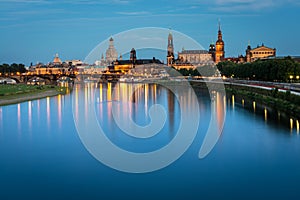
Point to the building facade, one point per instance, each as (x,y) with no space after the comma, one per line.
(195,57)
(260,52)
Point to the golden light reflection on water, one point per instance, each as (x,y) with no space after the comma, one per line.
(291,124)
(254,106)
(266,114)
(59,110)
(146,92)
(100,93)
(233,101)
(297,126)
(243,102)
(109,99)
(220,110)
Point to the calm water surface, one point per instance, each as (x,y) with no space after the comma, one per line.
(42,156)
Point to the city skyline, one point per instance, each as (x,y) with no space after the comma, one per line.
(35,30)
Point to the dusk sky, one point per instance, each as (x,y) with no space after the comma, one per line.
(34,30)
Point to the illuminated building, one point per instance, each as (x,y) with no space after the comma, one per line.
(260,52)
(219,53)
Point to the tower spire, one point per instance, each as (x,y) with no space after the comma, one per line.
(170,50)
(220,53)
(219,23)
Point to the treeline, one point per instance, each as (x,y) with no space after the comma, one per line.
(199,71)
(264,70)
(13,68)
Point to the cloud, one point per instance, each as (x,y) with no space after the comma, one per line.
(26,1)
(96,2)
(243,5)
(134,13)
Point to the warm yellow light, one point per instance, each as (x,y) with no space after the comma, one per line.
(18,73)
(254,106)
(297,77)
(291,76)
(266,114)
(243,102)
(297,126)
(291,123)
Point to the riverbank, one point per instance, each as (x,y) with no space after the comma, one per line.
(283,101)
(12,94)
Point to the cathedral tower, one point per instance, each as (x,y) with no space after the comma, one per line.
(133,56)
(212,51)
(111,52)
(248,53)
(170,55)
(220,53)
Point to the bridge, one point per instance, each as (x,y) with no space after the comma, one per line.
(52,78)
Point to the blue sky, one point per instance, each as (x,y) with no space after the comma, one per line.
(34,30)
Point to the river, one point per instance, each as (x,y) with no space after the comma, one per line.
(44,154)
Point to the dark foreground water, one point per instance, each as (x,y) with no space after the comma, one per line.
(42,156)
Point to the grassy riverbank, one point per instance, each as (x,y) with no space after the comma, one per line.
(11,94)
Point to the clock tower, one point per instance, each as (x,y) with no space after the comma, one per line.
(219,53)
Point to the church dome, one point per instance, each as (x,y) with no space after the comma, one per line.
(56,59)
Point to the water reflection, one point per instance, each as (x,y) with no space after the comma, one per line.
(59,111)
(291,124)
(133,102)
(269,114)
(29,115)
(38,110)
(48,113)
(19,119)
(266,114)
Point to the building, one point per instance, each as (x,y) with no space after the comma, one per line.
(111,55)
(56,60)
(188,59)
(170,50)
(124,66)
(56,67)
(219,49)
(212,51)
(74,62)
(260,52)
(111,52)
(195,57)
